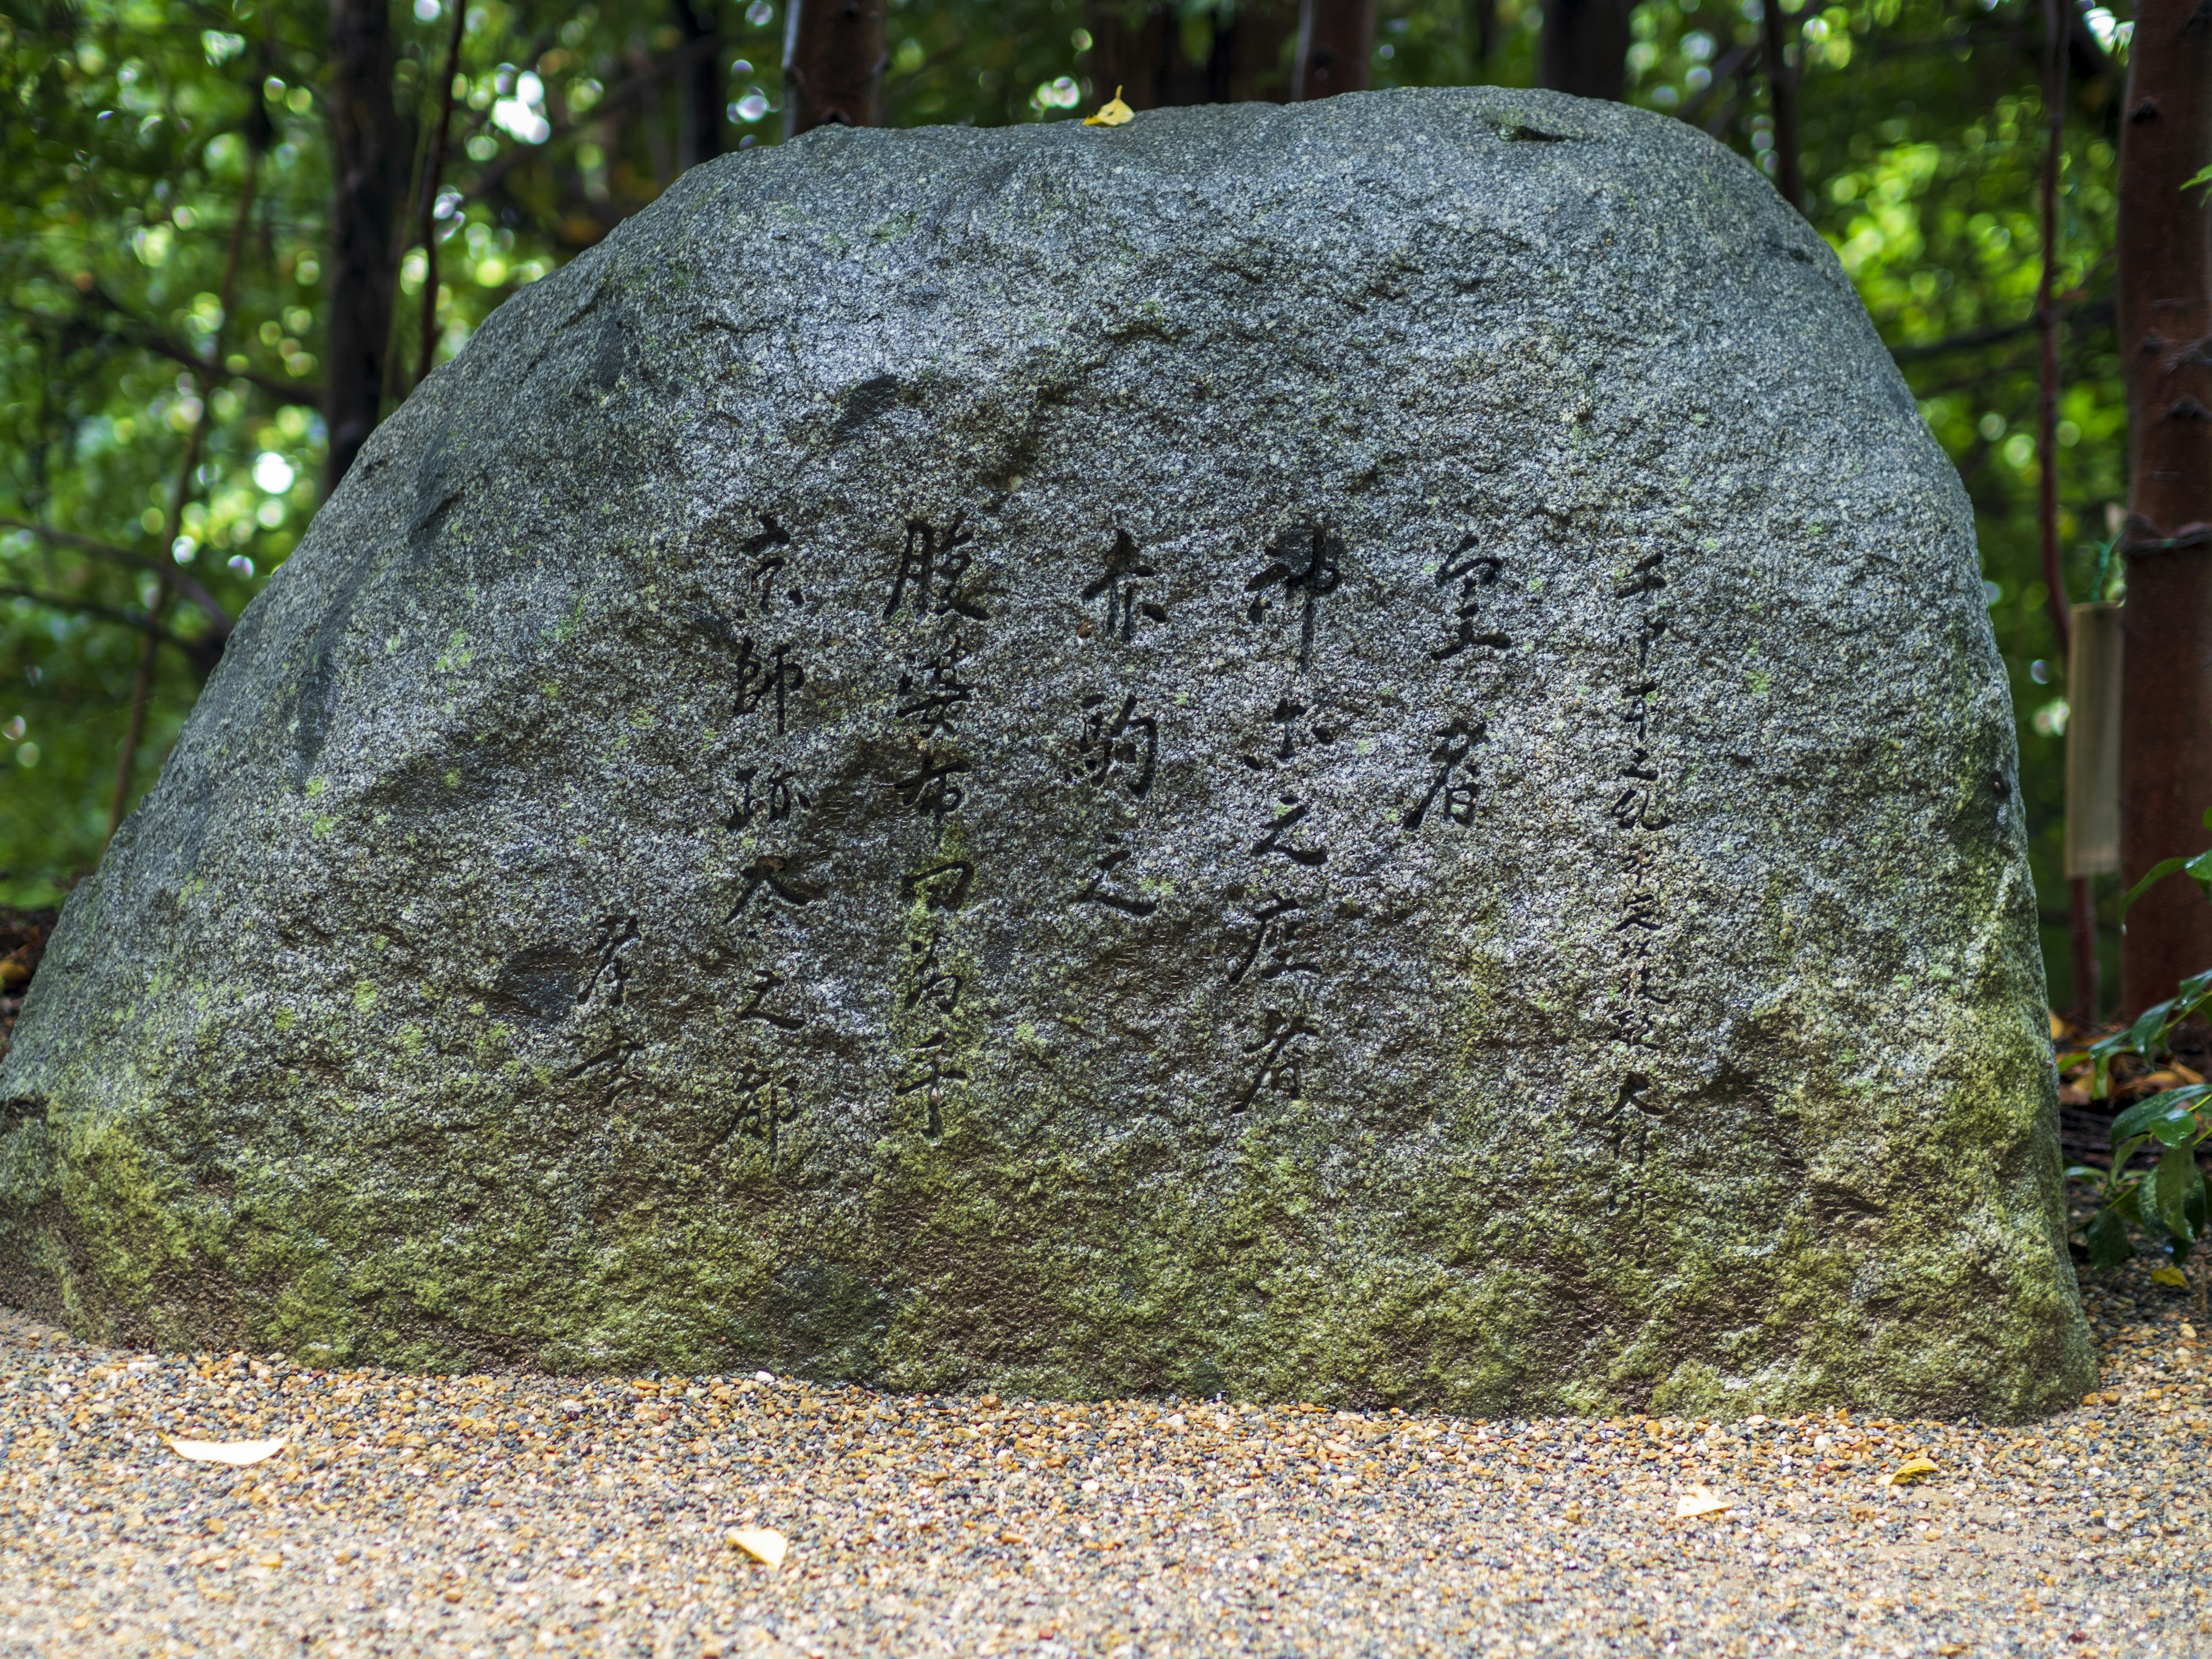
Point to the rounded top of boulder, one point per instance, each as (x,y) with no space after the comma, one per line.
(1291,750)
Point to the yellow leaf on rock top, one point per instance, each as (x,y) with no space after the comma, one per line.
(2172,1276)
(1111,114)
(762,1543)
(1912,1469)
(1700,1501)
(237,1453)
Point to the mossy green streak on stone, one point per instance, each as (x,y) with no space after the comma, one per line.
(1347,751)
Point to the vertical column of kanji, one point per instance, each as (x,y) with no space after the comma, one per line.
(1275,972)
(765,794)
(1638,813)
(1117,744)
(937,589)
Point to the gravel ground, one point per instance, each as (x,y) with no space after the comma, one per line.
(505,1515)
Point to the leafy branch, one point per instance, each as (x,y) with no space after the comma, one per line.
(167,571)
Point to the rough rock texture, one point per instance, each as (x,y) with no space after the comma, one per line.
(1350,749)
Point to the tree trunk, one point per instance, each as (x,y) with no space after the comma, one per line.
(368,166)
(433,174)
(1147,55)
(1478,26)
(833,63)
(699,137)
(2166,345)
(1336,45)
(1775,30)
(1584,49)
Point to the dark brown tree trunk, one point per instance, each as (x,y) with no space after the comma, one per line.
(1146,54)
(833,63)
(2165,346)
(368,164)
(1782,100)
(1336,45)
(700,136)
(1584,48)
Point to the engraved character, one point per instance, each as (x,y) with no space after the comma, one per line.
(1293,814)
(1308,563)
(1280,1066)
(933,699)
(1124,744)
(1096,892)
(929,1077)
(1275,931)
(765,1105)
(765,679)
(1124,571)
(930,572)
(1472,573)
(1450,756)
(765,984)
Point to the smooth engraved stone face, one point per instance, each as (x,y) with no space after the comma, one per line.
(1349,750)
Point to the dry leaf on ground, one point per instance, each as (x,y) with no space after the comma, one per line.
(237,1453)
(1111,114)
(1912,1469)
(762,1543)
(1701,1500)
(2172,1276)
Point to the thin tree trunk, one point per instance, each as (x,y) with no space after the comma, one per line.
(699,135)
(368,162)
(2081,893)
(1584,48)
(1782,102)
(1336,47)
(433,174)
(2166,345)
(180,492)
(1478,23)
(833,64)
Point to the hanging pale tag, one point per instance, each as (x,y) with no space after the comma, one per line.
(2093,742)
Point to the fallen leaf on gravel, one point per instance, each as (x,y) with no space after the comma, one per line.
(2172,1276)
(1701,1500)
(237,1453)
(1912,1469)
(762,1543)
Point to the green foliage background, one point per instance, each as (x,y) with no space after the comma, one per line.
(128,129)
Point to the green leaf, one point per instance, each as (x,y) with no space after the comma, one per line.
(2170,1116)
(2158,874)
(2109,1244)
(2177,1179)
(2145,1030)
(2084,1172)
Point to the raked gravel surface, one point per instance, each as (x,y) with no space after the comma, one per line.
(514,1513)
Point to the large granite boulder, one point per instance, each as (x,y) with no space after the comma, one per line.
(1349,750)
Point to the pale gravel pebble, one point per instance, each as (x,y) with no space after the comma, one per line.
(910,1534)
